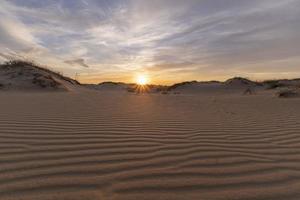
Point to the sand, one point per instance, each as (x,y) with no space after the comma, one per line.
(97,145)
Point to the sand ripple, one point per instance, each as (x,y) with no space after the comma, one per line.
(98,146)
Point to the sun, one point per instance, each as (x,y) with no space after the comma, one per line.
(142,79)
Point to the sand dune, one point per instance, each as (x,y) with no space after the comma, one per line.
(125,146)
(20,75)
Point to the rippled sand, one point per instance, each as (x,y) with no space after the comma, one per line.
(92,146)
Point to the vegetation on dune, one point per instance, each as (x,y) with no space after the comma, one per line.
(273,84)
(112,83)
(177,85)
(288,93)
(242,81)
(45,81)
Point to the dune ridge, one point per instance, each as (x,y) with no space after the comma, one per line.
(26,76)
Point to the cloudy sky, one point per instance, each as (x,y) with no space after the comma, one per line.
(170,40)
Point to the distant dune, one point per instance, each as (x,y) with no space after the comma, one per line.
(26,76)
(241,82)
(110,86)
(233,85)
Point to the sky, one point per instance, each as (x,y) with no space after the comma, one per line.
(168,40)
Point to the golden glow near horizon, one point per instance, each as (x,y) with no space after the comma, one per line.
(158,39)
(142,79)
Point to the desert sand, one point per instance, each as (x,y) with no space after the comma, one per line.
(89,145)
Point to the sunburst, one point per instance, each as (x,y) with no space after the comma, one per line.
(142,79)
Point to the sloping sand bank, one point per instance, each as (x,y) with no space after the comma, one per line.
(94,146)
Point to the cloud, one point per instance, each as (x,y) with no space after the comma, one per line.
(207,38)
(6,56)
(79,61)
(13,33)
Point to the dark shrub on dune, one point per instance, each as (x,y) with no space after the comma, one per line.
(288,94)
(130,90)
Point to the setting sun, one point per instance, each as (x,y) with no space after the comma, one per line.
(142,79)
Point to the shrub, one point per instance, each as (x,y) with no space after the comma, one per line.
(131,90)
(287,94)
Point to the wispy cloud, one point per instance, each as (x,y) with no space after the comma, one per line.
(79,61)
(172,38)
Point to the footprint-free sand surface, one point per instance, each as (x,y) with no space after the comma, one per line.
(98,146)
